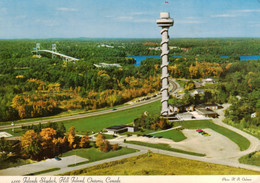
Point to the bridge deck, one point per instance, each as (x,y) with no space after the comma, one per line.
(59,54)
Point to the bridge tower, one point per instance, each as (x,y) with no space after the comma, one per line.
(53,48)
(37,52)
(165,22)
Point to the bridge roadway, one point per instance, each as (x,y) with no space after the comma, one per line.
(173,86)
(68,58)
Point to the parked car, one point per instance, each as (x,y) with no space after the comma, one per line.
(57,158)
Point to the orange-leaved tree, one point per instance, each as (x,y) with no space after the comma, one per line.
(84,141)
(30,144)
(71,138)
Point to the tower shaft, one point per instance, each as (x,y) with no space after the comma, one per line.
(165,22)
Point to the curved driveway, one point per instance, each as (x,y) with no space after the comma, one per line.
(254,142)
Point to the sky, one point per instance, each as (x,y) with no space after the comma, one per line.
(127,18)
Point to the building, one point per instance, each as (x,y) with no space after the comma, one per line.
(206,112)
(185,116)
(209,106)
(120,129)
(181,107)
(190,108)
(208,80)
(253,115)
(198,92)
(107,65)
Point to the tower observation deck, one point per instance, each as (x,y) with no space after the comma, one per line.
(165,22)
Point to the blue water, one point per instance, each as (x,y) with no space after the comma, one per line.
(249,57)
(140,58)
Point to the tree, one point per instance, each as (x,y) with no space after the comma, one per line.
(71,138)
(100,139)
(190,85)
(243,123)
(30,144)
(115,147)
(61,130)
(106,146)
(84,141)
(47,141)
(5,148)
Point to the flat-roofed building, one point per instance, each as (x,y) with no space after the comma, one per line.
(120,129)
(185,116)
(206,112)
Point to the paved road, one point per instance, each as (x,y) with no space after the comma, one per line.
(144,149)
(174,86)
(254,142)
(68,169)
(42,165)
(204,159)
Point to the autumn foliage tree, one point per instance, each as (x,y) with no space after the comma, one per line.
(30,145)
(71,138)
(100,139)
(47,142)
(84,141)
(102,143)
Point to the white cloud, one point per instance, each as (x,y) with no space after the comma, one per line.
(125,18)
(140,20)
(188,22)
(249,11)
(225,15)
(236,13)
(46,22)
(134,20)
(66,9)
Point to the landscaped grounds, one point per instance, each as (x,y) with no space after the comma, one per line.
(163,146)
(97,123)
(251,159)
(174,135)
(241,141)
(94,154)
(147,164)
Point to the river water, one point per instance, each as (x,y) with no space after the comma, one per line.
(140,58)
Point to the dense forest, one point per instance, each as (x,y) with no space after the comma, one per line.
(35,87)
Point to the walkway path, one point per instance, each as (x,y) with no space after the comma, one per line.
(165,130)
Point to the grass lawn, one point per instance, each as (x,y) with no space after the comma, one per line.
(62,114)
(94,154)
(107,136)
(164,147)
(148,165)
(97,123)
(241,141)
(174,135)
(14,161)
(251,159)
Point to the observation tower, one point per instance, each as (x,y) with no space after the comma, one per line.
(165,22)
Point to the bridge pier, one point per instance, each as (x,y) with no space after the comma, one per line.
(53,48)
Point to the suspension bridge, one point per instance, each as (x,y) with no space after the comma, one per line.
(54,53)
